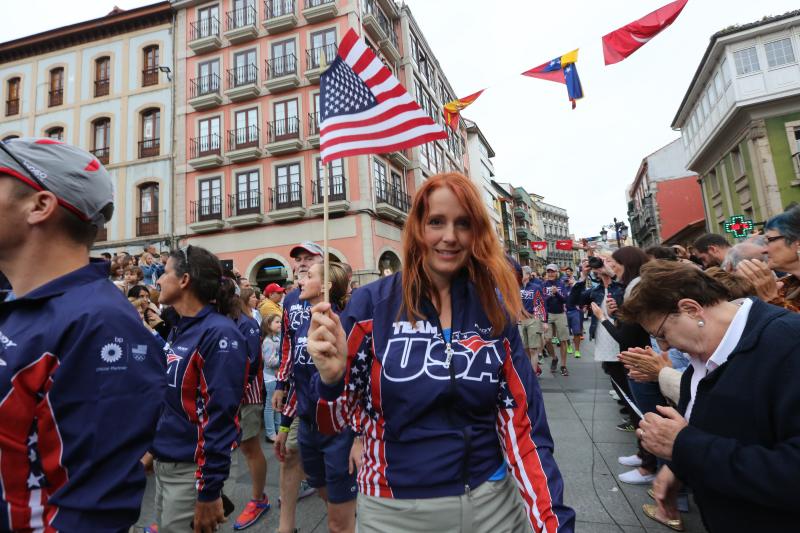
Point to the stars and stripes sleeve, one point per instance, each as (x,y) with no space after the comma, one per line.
(527,443)
(285,369)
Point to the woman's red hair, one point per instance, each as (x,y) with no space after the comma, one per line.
(487,266)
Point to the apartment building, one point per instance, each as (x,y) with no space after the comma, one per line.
(103,85)
(481,172)
(556,227)
(248,167)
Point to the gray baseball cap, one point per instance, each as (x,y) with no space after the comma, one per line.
(552,266)
(306,246)
(81,184)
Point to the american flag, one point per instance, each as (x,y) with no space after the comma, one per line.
(365,110)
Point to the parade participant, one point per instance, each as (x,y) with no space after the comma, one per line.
(433,357)
(711,249)
(574,316)
(555,299)
(734,437)
(295,313)
(251,412)
(533,319)
(69,372)
(270,354)
(206,372)
(324,457)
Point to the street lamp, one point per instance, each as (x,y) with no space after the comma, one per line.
(620,232)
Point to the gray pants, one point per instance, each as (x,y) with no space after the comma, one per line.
(176,496)
(493,507)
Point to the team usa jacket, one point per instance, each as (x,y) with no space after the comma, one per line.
(533,300)
(436,425)
(207,367)
(81,387)
(254,388)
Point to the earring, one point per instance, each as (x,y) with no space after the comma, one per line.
(700,323)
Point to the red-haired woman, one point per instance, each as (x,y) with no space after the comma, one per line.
(431,360)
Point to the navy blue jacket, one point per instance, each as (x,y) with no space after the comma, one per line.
(436,425)
(81,387)
(206,370)
(533,299)
(555,303)
(741,450)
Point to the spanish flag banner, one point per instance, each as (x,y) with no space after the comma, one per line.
(452,109)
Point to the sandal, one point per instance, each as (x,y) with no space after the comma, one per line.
(564,371)
(675,524)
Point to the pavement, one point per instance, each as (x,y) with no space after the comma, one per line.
(582,418)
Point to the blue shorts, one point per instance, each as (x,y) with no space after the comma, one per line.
(575,321)
(326,459)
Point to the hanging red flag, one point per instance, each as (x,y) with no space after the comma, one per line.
(624,41)
(564,245)
(538,246)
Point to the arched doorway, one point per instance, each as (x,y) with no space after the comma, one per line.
(388,264)
(270,271)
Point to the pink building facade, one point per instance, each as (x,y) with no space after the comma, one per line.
(247,159)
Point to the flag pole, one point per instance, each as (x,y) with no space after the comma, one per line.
(323,176)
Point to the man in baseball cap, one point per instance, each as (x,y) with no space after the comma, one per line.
(272,303)
(75,356)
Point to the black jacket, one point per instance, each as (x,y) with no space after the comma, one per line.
(741,450)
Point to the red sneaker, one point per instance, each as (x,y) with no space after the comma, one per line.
(152,528)
(254,510)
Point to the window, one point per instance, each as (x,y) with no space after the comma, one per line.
(779,53)
(56,133)
(726,77)
(288,191)
(381,185)
(207,23)
(738,162)
(712,93)
(56,87)
(323,42)
(746,61)
(286,124)
(101,132)
(209,140)
(207,79)
(245,69)
(414,49)
(248,192)
(102,76)
(210,199)
(246,129)
(12,96)
(150,72)
(278,8)
(336,190)
(423,156)
(712,178)
(150,144)
(797,140)
(284,59)
(147,221)
(718,85)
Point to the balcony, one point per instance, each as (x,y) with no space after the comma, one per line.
(205,152)
(391,201)
(206,214)
(204,92)
(102,87)
(244,144)
(147,224)
(376,22)
(337,195)
(204,35)
(281,74)
(150,76)
(524,252)
(12,107)
(102,154)
(240,24)
(280,15)
(400,157)
(149,148)
(244,210)
(522,214)
(319,10)
(284,136)
(524,233)
(56,97)
(313,129)
(314,57)
(242,83)
(287,202)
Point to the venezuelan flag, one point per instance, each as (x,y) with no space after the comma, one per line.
(561,70)
(453,109)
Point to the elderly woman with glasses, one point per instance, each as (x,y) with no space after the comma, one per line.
(735,437)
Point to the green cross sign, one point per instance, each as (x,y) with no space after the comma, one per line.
(739,227)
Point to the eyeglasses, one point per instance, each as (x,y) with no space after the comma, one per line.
(185,252)
(659,335)
(774,238)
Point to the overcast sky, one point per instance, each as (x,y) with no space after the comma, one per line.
(581,160)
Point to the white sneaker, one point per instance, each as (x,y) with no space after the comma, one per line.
(631,460)
(633,477)
(613,395)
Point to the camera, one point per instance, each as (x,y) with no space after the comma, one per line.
(595,262)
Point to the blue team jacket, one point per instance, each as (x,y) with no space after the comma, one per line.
(434,428)
(206,370)
(81,387)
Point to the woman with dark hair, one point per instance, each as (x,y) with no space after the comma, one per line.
(206,371)
(430,358)
(151,314)
(735,437)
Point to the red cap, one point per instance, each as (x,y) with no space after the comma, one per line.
(272,287)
